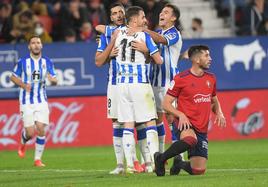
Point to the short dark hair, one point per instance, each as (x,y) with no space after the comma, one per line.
(115,5)
(195,49)
(132,11)
(176,13)
(33,36)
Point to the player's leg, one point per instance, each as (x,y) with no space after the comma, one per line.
(161,132)
(39,144)
(41,117)
(159,93)
(118,128)
(126,116)
(187,140)
(145,111)
(28,131)
(198,158)
(145,153)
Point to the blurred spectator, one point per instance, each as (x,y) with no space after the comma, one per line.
(86,32)
(255,14)
(70,36)
(264,28)
(5,22)
(25,26)
(72,17)
(150,7)
(41,32)
(96,13)
(39,8)
(125,3)
(197,30)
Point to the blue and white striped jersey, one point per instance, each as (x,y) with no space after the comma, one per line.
(131,63)
(33,72)
(103,42)
(161,75)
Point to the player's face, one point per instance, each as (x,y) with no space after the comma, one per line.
(118,15)
(141,21)
(205,60)
(35,46)
(166,17)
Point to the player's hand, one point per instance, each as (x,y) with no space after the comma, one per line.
(184,122)
(220,120)
(53,80)
(114,35)
(139,46)
(27,87)
(184,55)
(114,52)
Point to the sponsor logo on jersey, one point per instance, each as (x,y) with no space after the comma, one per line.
(201,98)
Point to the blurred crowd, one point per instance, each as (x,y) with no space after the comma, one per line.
(62,20)
(74,20)
(250,17)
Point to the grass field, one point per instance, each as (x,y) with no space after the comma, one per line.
(231,163)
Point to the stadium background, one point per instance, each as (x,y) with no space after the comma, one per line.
(78,103)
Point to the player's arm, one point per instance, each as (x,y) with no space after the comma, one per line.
(158,38)
(102,57)
(153,50)
(184,55)
(100,28)
(51,75)
(52,79)
(216,108)
(157,58)
(16,80)
(16,77)
(184,122)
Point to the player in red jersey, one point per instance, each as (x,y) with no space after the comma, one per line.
(195,91)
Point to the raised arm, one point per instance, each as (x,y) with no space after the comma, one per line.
(102,57)
(158,38)
(100,28)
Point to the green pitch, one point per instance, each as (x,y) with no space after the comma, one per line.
(231,163)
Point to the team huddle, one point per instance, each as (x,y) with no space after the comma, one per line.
(142,65)
(143,85)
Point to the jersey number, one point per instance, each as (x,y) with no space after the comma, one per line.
(36,75)
(126,44)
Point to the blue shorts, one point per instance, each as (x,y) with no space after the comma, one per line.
(201,148)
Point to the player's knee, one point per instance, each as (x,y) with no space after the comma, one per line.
(198,171)
(190,140)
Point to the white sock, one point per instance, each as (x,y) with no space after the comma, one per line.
(142,141)
(145,153)
(161,136)
(39,147)
(118,143)
(152,140)
(129,145)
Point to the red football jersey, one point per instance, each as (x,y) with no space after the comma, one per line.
(194,94)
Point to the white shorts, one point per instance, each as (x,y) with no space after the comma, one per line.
(159,94)
(112,101)
(136,103)
(31,113)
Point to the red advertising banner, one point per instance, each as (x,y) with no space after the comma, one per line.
(81,121)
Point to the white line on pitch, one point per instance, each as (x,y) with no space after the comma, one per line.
(92,171)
